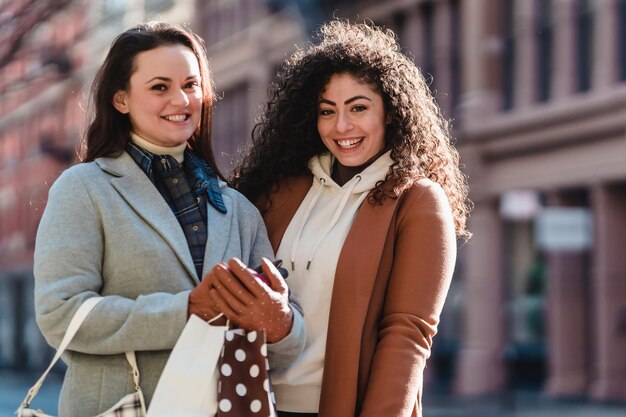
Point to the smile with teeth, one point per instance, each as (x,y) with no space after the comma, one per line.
(176,117)
(349,143)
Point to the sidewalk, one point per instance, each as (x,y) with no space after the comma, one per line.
(13,388)
(517,404)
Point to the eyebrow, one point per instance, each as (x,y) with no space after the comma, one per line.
(348,101)
(166,79)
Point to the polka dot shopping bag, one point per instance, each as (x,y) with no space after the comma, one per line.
(244,388)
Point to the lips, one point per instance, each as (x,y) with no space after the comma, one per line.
(176,117)
(349,143)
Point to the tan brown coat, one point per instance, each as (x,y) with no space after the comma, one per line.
(391,282)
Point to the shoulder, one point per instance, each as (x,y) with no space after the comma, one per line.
(425,195)
(424,213)
(72,196)
(289,192)
(76,176)
(86,168)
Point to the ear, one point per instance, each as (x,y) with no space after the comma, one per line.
(119,102)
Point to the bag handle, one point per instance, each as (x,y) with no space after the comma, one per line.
(217,317)
(132,360)
(75,323)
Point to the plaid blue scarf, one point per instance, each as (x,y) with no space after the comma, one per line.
(186,189)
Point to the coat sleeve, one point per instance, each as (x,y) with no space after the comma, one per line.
(282,353)
(68,259)
(423,263)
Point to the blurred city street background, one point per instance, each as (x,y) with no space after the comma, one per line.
(535,321)
(13,388)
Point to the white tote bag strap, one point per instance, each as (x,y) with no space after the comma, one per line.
(132,360)
(78,319)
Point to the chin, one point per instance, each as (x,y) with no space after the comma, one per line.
(177,142)
(352,162)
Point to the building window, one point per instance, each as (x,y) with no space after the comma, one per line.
(544,28)
(584,41)
(621,40)
(230,127)
(428,42)
(155,6)
(114,6)
(398,22)
(455,56)
(508,54)
(224,19)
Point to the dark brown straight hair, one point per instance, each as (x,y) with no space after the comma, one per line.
(108,130)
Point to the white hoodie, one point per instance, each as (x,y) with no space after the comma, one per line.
(310,250)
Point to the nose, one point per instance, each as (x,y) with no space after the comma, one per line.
(179,98)
(344,123)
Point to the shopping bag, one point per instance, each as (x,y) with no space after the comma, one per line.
(244,382)
(187,386)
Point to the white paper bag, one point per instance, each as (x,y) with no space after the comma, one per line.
(188,385)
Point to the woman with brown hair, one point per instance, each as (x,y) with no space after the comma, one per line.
(146,223)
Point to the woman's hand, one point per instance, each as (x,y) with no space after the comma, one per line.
(250,303)
(201,304)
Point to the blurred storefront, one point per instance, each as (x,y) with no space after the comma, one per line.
(543,111)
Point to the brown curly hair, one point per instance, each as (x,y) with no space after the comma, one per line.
(286,136)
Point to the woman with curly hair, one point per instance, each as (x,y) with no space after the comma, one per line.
(352,168)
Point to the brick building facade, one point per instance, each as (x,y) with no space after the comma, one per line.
(43,97)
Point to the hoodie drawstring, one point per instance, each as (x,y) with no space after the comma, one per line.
(333,221)
(296,241)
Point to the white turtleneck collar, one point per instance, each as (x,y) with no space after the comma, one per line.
(177,152)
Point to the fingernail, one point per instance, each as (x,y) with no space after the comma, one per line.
(238,262)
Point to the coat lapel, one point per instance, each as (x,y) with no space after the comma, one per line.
(137,190)
(352,291)
(355,276)
(285,203)
(218,229)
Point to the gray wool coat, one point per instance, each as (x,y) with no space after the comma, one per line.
(107,231)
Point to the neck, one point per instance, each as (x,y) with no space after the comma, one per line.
(177,152)
(341,174)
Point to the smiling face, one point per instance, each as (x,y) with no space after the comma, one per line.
(351,120)
(164,97)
